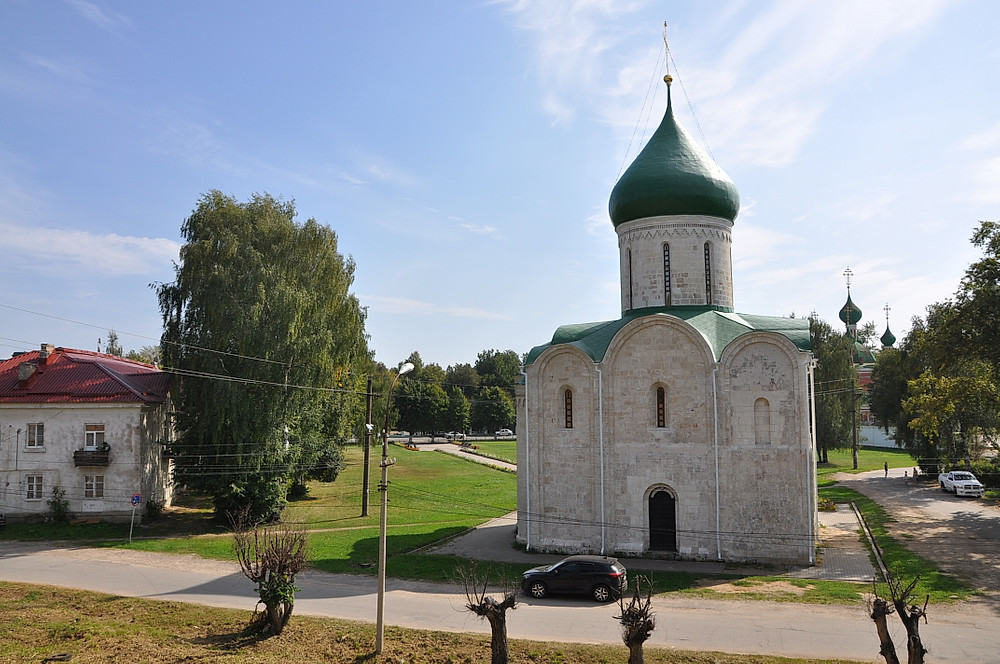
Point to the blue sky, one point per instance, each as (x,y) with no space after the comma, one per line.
(464,152)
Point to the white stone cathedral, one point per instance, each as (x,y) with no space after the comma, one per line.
(681,429)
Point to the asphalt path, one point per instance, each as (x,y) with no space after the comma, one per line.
(966,633)
(960,534)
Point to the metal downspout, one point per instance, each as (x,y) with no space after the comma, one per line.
(810,458)
(600,437)
(527,464)
(718,517)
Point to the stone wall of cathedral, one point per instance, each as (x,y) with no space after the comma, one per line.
(643,257)
(731,446)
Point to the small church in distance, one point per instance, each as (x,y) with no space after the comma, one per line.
(682,428)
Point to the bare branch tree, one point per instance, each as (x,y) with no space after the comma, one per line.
(898,602)
(478,600)
(637,619)
(271,556)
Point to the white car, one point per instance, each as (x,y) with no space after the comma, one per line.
(454,435)
(504,432)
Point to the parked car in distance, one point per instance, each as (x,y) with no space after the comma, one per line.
(601,577)
(3,520)
(454,435)
(961,483)
(504,432)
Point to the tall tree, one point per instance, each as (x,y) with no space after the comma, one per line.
(889,387)
(835,378)
(421,406)
(113,346)
(465,377)
(957,412)
(457,417)
(499,369)
(259,310)
(493,409)
(147,354)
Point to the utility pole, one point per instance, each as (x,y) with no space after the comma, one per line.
(383,521)
(854,416)
(368,449)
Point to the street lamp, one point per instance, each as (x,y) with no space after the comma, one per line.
(384,488)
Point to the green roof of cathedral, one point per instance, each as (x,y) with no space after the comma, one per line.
(673,176)
(719,329)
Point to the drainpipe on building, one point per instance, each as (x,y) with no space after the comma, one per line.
(527,463)
(811,405)
(600,437)
(715,409)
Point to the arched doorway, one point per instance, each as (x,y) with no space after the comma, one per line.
(662,521)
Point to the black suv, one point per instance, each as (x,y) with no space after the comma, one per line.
(600,577)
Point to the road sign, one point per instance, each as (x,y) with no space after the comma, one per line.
(136,499)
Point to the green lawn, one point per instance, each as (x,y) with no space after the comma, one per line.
(504,450)
(841,461)
(431,496)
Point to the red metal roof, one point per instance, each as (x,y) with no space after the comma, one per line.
(80,376)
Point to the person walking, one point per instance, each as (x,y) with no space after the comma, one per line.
(887,469)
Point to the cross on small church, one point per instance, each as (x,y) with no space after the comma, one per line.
(848,274)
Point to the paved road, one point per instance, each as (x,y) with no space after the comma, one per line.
(961,535)
(954,634)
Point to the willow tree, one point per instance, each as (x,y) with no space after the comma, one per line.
(262,329)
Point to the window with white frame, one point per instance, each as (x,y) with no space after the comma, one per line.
(36,435)
(95,437)
(34,487)
(93,486)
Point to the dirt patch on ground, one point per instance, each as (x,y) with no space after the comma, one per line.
(755,588)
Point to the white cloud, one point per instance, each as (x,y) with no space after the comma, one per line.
(480,230)
(406,306)
(64,68)
(102,18)
(982,140)
(870,208)
(754,246)
(110,254)
(763,84)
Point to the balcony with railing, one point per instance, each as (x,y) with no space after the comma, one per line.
(93,457)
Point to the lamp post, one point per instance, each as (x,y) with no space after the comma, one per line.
(384,488)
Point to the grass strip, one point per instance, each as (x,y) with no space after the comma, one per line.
(38,622)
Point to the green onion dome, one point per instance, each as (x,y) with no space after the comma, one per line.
(850,314)
(888,338)
(673,176)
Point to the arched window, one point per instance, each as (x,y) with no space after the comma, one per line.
(568,408)
(708,274)
(661,407)
(666,274)
(762,422)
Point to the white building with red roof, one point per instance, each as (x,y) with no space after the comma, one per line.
(94,426)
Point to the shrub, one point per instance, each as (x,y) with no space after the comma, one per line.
(58,505)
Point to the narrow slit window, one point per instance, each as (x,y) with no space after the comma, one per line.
(661,407)
(568,408)
(708,274)
(666,274)
(629,278)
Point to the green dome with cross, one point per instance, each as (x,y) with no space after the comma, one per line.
(673,176)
